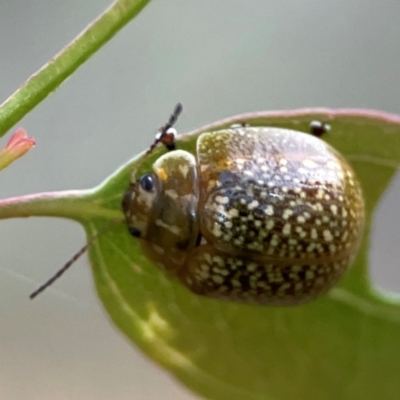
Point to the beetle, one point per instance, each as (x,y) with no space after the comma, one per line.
(258,215)
(261,215)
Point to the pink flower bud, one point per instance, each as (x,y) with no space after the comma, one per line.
(17,146)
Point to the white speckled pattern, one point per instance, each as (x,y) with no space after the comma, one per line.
(280,216)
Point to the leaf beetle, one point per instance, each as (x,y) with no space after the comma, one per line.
(259,215)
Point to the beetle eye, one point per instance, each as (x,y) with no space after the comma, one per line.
(147,182)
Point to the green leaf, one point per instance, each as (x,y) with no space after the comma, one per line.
(345,345)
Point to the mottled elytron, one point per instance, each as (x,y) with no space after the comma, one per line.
(257,214)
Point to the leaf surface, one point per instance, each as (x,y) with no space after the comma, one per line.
(344,345)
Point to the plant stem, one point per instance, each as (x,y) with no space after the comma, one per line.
(52,74)
(73,204)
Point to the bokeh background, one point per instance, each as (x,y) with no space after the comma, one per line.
(219,58)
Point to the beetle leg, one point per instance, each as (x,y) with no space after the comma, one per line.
(319,128)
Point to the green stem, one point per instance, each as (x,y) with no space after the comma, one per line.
(52,74)
(73,204)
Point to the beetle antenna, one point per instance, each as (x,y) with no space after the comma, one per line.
(70,262)
(165,137)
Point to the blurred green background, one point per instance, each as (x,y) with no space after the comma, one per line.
(218,58)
